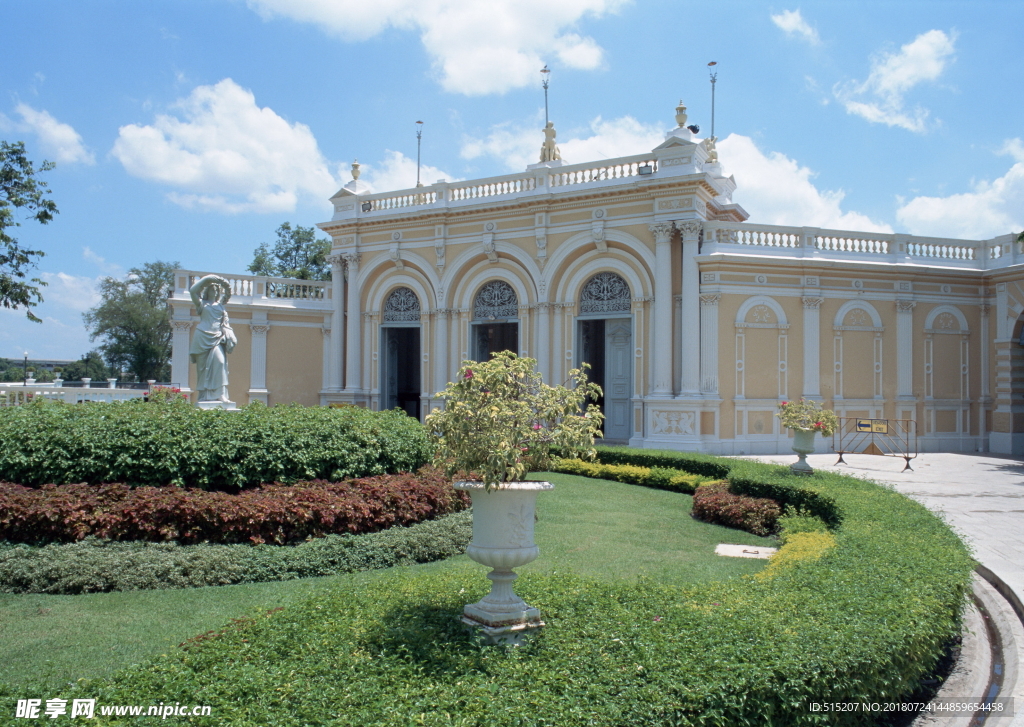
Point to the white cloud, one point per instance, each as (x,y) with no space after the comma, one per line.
(518,146)
(474,47)
(793,23)
(78,293)
(879,99)
(776,190)
(112,269)
(993,208)
(398,171)
(227,154)
(58,141)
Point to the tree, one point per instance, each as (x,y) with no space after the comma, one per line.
(90,366)
(296,254)
(19,189)
(134,321)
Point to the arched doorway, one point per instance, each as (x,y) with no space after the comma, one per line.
(400,364)
(605,341)
(495,324)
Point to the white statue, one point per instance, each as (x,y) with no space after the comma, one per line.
(548,151)
(213,339)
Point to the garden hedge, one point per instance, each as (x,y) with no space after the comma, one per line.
(859,611)
(174,443)
(279,514)
(94,565)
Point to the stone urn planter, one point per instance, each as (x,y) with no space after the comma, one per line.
(803,445)
(503,519)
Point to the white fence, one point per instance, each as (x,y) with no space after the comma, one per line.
(17,394)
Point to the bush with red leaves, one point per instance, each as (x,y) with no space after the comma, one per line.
(272,513)
(713,503)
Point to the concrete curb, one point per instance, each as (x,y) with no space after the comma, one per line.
(975,676)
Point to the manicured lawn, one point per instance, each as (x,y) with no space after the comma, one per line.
(595,528)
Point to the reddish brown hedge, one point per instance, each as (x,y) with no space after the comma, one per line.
(713,503)
(272,513)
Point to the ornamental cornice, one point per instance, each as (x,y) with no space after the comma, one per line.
(871,329)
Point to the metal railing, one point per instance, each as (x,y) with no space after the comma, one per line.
(883,437)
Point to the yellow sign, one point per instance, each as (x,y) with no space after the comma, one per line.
(863,425)
(876,426)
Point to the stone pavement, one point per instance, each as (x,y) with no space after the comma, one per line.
(981,496)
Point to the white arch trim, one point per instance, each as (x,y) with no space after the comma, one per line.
(755,300)
(876,320)
(581,239)
(597,262)
(413,261)
(929,321)
(470,284)
(461,266)
(383,287)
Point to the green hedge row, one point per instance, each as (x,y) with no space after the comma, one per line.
(97,565)
(863,615)
(177,444)
(659,478)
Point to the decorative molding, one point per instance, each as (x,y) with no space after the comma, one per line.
(259,329)
(496,299)
(181,325)
(689,228)
(709,277)
(488,245)
(662,231)
(812,303)
(396,256)
(605,293)
(597,235)
(709,299)
(402,305)
(675,161)
(905,306)
(675,204)
(672,422)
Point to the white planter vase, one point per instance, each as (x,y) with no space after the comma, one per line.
(803,445)
(503,520)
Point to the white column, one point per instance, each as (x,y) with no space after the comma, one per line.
(812,347)
(558,354)
(985,388)
(353,326)
(442,374)
(905,349)
(543,347)
(258,363)
(337,338)
(661,325)
(689,345)
(709,343)
(179,353)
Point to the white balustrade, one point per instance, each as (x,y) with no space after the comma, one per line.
(258,286)
(19,395)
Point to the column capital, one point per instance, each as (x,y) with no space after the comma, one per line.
(709,299)
(689,229)
(905,306)
(181,325)
(812,302)
(259,329)
(336,261)
(351,261)
(662,231)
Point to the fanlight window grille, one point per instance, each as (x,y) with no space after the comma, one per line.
(605,293)
(496,300)
(402,305)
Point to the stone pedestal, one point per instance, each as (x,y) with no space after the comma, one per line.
(503,539)
(803,445)
(225,405)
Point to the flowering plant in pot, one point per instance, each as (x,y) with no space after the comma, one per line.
(501,421)
(806,418)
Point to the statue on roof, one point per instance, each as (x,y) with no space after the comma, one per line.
(548,151)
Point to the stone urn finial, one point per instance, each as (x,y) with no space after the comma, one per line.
(355,169)
(681,114)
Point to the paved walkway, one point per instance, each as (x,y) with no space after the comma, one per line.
(981,495)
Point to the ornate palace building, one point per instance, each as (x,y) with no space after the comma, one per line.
(696,322)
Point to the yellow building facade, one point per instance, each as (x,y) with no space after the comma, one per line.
(696,321)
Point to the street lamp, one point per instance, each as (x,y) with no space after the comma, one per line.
(25,382)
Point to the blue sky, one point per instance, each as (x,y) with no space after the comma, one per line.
(190,130)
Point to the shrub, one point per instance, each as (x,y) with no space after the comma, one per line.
(272,513)
(704,465)
(799,548)
(141,444)
(661,478)
(713,503)
(94,565)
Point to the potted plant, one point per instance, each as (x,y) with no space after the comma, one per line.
(501,421)
(806,418)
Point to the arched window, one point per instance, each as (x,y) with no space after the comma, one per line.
(402,305)
(605,293)
(495,300)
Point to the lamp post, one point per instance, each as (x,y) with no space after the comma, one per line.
(546,71)
(714,78)
(25,382)
(419,140)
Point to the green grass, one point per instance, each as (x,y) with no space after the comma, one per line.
(595,528)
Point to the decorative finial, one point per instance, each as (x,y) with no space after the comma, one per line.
(681,114)
(355,169)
